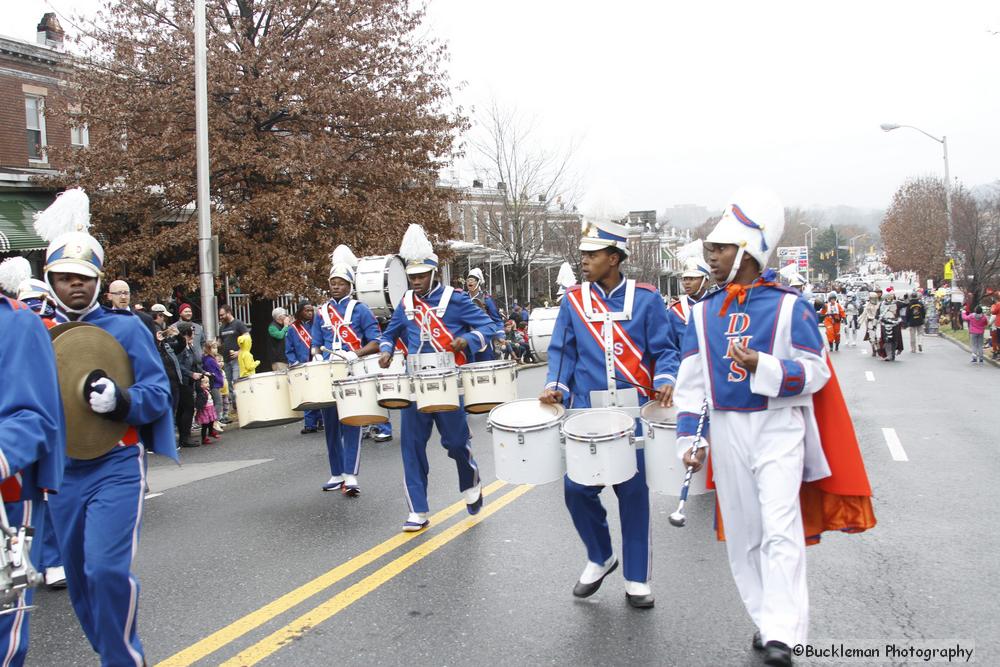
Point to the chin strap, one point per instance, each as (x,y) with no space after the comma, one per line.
(736,265)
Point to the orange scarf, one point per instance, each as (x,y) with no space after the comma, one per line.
(740,293)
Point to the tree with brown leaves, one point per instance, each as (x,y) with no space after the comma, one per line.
(915,228)
(328,123)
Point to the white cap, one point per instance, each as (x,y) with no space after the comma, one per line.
(160,308)
(476,273)
(75,252)
(695,268)
(33,288)
(603,234)
(753,220)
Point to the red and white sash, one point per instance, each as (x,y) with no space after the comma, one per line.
(303,334)
(441,337)
(628,358)
(342,328)
(682,308)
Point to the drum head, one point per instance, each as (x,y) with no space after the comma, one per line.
(525,414)
(395,280)
(654,414)
(599,425)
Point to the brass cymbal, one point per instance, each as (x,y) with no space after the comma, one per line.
(80,349)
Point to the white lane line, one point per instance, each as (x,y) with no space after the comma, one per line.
(895,446)
(152,495)
(869,376)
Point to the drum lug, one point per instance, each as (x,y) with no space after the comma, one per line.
(489,429)
(520,438)
(593,447)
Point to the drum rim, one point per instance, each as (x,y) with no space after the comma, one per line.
(357,379)
(630,431)
(560,416)
(492,364)
(390,376)
(646,420)
(321,362)
(261,375)
(433,373)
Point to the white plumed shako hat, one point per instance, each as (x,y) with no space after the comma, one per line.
(417,251)
(754,220)
(598,235)
(342,263)
(65,224)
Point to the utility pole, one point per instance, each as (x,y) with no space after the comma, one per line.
(206,270)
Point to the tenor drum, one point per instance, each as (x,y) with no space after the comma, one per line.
(664,471)
(262,400)
(357,401)
(310,385)
(369,365)
(487,384)
(600,447)
(526,443)
(436,390)
(541,323)
(380,283)
(395,390)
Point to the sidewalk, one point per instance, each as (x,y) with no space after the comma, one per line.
(960,339)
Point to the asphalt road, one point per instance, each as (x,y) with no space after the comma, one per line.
(244,560)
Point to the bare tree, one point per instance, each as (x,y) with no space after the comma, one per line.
(530,179)
(977,240)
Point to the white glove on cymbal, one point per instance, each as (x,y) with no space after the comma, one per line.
(102,399)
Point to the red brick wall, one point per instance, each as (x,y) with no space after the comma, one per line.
(13,142)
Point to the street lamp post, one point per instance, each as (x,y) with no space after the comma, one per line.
(950,249)
(808,241)
(850,243)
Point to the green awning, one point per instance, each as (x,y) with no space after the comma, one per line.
(17,209)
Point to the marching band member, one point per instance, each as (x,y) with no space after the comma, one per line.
(755,359)
(589,353)
(473,287)
(695,282)
(433,319)
(98,511)
(32,449)
(36,295)
(298,350)
(565,279)
(344,328)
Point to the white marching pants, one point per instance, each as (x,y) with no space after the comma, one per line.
(757,460)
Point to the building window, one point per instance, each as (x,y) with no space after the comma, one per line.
(34,113)
(475,226)
(80,135)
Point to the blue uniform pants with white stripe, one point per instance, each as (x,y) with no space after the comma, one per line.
(591,521)
(385,428)
(14,626)
(343,444)
(455,437)
(311,418)
(48,554)
(97,515)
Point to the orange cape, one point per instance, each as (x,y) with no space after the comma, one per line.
(841,501)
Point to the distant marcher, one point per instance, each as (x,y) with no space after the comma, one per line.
(298,345)
(916,317)
(276,332)
(831,316)
(978,322)
(247,364)
(229,331)
(186,314)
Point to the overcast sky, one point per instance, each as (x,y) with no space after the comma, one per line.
(682,102)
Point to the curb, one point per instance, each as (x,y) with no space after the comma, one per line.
(967,348)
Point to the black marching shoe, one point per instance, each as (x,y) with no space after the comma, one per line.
(582,590)
(757,642)
(189,443)
(307,430)
(777,654)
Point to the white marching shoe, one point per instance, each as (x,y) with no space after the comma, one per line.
(415,522)
(55,577)
(474,498)
(335,483)
(638,594)
(593,576)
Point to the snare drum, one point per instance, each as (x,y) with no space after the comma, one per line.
(357,401)
(310,385)
(600,447)
(526,445)
(487,384)
(436,390)
(262,400)
(541,324)
(664,471)
(369,365)
(395,390)
(380,283)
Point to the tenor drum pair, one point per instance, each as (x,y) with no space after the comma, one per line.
(534,444)
(262,399)
(310,385)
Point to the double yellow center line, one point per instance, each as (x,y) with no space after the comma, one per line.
(342,600)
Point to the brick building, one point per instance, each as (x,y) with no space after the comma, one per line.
(30,76)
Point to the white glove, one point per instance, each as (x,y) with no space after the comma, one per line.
(346,355)
(317,356)
(102,400)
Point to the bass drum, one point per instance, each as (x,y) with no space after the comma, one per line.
(380,283)
(540,326)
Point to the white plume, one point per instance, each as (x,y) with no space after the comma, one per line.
(694,249)
(70,212)
(13,272)
(565,277)
(415,245)
(343,255)
(788,271)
